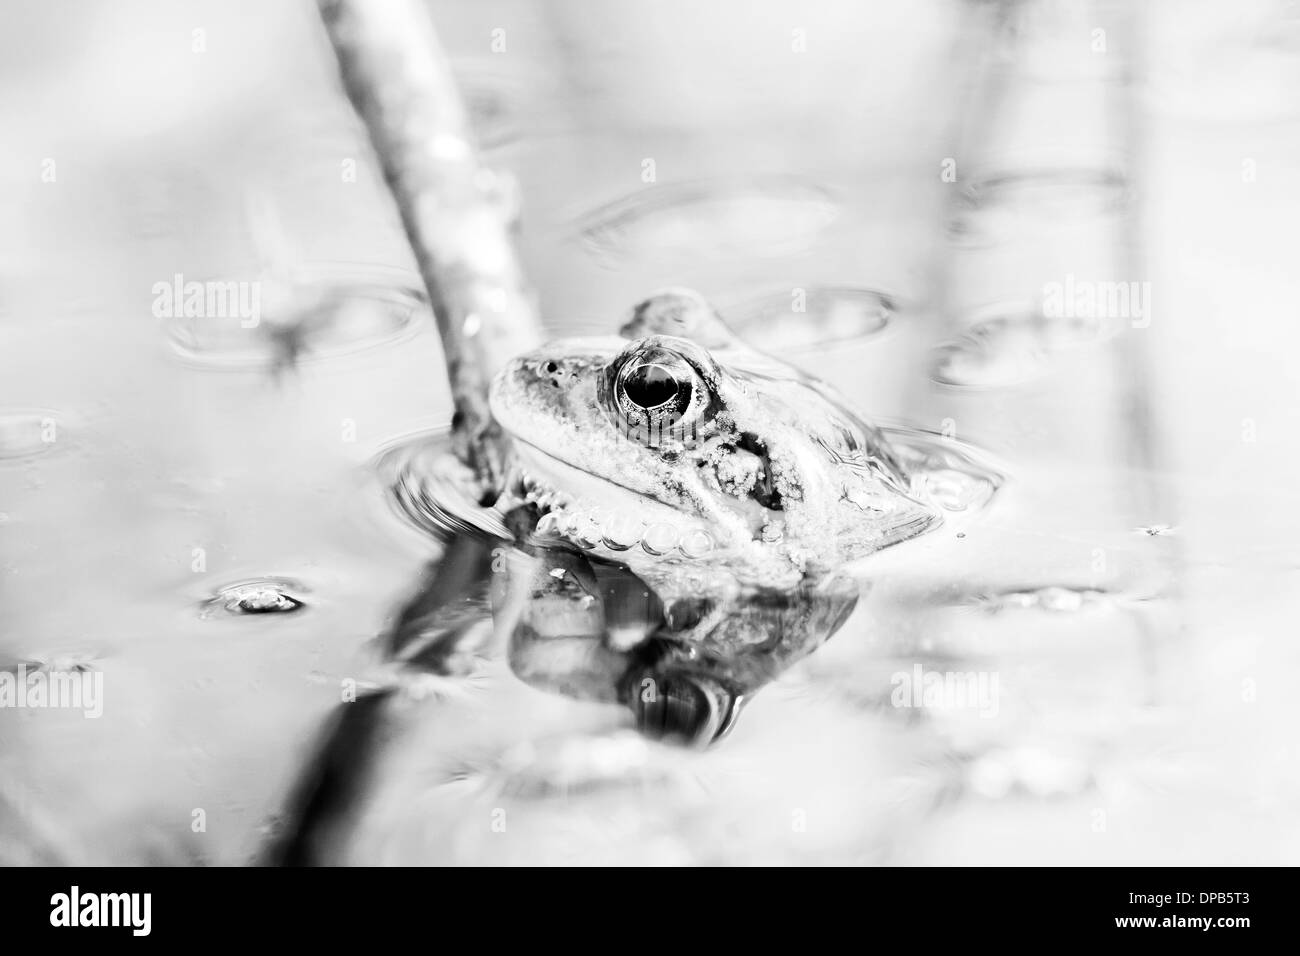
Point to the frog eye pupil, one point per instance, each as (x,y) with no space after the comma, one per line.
(649,386)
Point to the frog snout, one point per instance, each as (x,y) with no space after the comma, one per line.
(533,388)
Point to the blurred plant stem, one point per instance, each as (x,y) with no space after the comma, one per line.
(457,214)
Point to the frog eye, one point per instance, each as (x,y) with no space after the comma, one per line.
(658,392)
(651,385)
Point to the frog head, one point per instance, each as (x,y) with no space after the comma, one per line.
(689,453)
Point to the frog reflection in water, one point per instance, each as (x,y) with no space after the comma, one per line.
(695,504)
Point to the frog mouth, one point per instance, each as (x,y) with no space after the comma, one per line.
(591,511)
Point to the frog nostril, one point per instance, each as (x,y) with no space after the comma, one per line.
(550,372)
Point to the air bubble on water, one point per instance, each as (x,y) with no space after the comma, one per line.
(622,531)
(697,543)
(585,533)
(269,595)
(1156,530)
(660,538)
(548,525)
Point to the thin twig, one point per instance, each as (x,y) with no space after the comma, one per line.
(457,214)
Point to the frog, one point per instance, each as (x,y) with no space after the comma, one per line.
(680,451)
(691,511)
(740,494)
(685,518)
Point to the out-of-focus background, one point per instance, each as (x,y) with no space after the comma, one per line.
(921,171)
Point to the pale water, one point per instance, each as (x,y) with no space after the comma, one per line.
(228,520)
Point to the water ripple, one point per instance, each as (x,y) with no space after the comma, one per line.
(29,432)
(796,320)
(687,221)
(431,490)
(329,311)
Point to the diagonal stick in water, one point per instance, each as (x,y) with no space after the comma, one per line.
(457,214)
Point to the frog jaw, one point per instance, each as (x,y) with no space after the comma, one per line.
(668,545)
(598,514)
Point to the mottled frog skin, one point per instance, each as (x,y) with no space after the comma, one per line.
(678,451)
